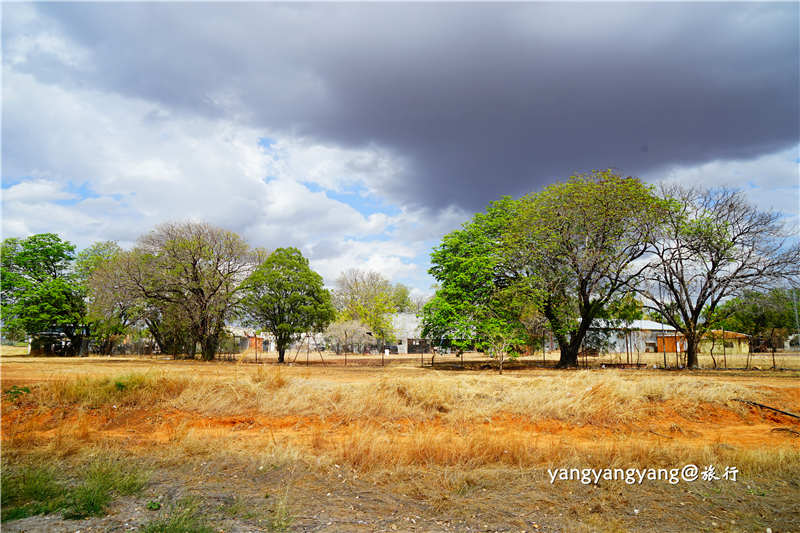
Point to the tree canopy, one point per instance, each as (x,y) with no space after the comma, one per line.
(39,287)
(564,253)
(713,245)
(287,298)
(470,304)
(369,298)
(193,272)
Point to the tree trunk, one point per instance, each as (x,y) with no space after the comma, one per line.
(569,355)
(691,351)
(281,352)
(209,347)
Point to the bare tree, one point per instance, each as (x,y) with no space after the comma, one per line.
(344,334)
(195,270)
(713,245)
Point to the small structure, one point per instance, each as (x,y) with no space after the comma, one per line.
(56,341)
(734,343)
(408,332)
(248,339)
(634,336)
(674,343)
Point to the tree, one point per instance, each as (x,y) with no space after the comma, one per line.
(579,243)
(766,316)
(368,297)
(193,272)
(713,245)
(90,259)
(470,306)
(108,317)
(344,334)
(401,298)
(287,298)
(39,289)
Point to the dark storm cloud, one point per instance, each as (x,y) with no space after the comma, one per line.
(479,100)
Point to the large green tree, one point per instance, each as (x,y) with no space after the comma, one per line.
(581,243)
(475,298)
(39,287)
(287,298)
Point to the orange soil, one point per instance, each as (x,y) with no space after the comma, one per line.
(714,425)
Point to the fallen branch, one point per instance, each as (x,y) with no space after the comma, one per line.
(787,413)
(788,430)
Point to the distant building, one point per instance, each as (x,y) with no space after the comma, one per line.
(635,336)
(248,339)
(408,332)
(735,343)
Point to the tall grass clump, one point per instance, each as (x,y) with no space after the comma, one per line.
(182,517)
(30,490)
(104,478)
(129,390)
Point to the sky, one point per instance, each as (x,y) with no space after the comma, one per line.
(362,133)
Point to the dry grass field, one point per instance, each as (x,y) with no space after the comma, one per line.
(115,444)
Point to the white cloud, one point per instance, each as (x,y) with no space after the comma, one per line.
(142,164)
(772,180)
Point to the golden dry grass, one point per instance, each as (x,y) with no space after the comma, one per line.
(389,421)
(580,397)
(436,436)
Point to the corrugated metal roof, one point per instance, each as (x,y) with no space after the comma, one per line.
(406,326)
(645,325)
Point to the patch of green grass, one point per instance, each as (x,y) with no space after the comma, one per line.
(182,517)
(238,508)
(29,491)
(103,477)
(88,499)
(15,392)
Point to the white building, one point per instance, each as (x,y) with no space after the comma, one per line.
(634,336)
(408,332)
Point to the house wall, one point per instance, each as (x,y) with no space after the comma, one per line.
(732,346)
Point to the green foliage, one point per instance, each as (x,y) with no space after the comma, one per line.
(183,517)
(370,298)
(401,298)
(153,505)
(287,298)
(93,257)
(39,289)
(108,316)
(563,254)
(14,393)
(30,490)
(758,314)
(103,478)
(581,238)
(187,281)
(474,300)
